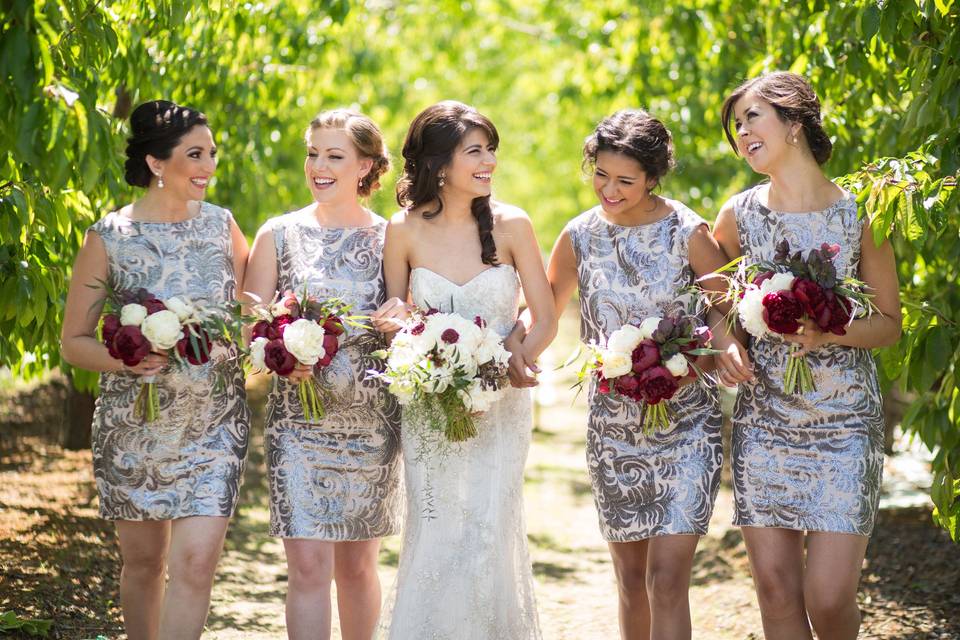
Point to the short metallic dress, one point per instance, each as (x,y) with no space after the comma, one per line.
(339,478)
(807,461)
(664,483)
(189,461)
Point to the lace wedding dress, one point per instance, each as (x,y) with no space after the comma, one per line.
(464,571)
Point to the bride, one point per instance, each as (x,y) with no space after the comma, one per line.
(464,568)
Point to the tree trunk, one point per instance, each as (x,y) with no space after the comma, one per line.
(78,417)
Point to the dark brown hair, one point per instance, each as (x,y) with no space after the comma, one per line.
(792,97)
(433,137)
(635,134)
(366,138)
(156,127)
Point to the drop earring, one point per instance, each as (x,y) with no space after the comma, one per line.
(441,182)
(159,181)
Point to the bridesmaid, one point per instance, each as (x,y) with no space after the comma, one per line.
(806,468)
(334,485)
(632,257)
(170,485)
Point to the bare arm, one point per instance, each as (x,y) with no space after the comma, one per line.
(536,288)
(85,297)
(733,365)
(240,252)
(396,274)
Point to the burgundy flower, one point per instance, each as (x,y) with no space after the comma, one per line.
(480,322)
(332,325)
(703,335)
(130,345)
(811,295)
(839,314)
(450,336)
(111,324)
(331,344)
(322,362)
(261,330)
(289,300)
(153,305)
(418,329)
(766,275)
(646,355)
(628,386)
(275,331)
(603,385)
(278,359)
(186,349)
(782,312)
(657,383)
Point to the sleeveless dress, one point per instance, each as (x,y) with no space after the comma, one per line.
(465,572)
(337,479)
(812,461)
(189,461)
(664,483)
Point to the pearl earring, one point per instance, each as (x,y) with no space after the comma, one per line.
(159,181)
(794,139)
(441,181)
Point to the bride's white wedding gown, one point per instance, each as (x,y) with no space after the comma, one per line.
(465,571)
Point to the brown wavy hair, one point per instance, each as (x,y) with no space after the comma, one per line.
(794,100)
(636,134)
(428,148)
(366,138)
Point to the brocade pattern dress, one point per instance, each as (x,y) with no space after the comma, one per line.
(339,478)
(188,462)
(809,461)
(664,483)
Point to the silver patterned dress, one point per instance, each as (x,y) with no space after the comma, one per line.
(807,461)
(664,483)
(337,479)
(189,461)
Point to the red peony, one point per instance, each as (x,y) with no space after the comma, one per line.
(628,386)
(186,349)
(153,304)
(111,324)
(278,359)
(838,316)
(782,312)
(261,330)
(275,331)
(332,325)
(811,295)
(331,344)
(656,384)
(646,355)
(130,345)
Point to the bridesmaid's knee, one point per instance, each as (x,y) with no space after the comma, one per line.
(194,567)
(310,572)
(779,592)
(830,607)
(667,585)
(144,567)
(355,570)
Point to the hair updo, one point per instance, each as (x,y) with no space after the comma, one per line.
(156,127)
(366,138)
(636,134)
(433,137)
(792,97)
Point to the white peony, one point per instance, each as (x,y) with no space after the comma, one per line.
(615,364)
(491,349)
(750,312)
(402,355)
(648,326)
(256,353)
(162,329)
(184,310)
(132,314)
(304,340)
(777,282)
(478,399)
(625,339)
(678,365)
(438,381)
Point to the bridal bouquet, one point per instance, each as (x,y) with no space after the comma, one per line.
(646,362)
(775,298)
(139,323)
(448,363)
(301,330)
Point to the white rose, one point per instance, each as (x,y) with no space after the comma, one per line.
(162,329)
(133,314)
(615,364)
(648,326)
(625,339)
(678,365)
(256,353)
(279,309)
(304,340)
(184,310)
(778,282)
(750,312)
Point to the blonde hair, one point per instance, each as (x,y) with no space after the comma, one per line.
(366,137)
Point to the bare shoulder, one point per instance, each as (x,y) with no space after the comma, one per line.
(509,217)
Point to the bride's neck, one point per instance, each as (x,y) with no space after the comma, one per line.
(457,206)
